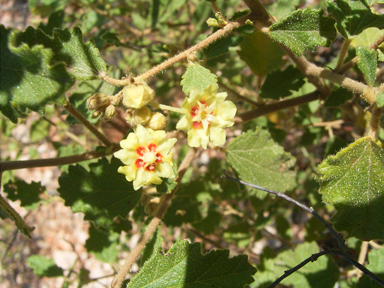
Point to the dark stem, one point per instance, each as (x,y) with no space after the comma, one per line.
(302,206)
(14,165)
(69,107)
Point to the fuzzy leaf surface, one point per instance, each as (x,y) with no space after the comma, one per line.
(353,17)
(261,53)
(261,161)
(197,77)
(185,266)
(82,60)
(380,99)
(101,193)
(367,63)
(338,97)
(43,266)
(280,83)
(28,78)
(352,182)
(304,30)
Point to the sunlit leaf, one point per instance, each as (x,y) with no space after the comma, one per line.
(260,161)
(352,182)
(184,266)
(367,63)
(28,79)
(197,77)
(304,30)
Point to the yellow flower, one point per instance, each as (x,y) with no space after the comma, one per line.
(206,116)
(137,95)
(147,156)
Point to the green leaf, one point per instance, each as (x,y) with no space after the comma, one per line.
(261,53)
(168,183)
(367,63)
(281,8)
(152,247)
(221,46)
(260,161)
(43,266)
(197,77)
(28,79)
(318,274)
(367,37)
(353,17)
(380,99)
(280,83)
(28,194)
(208,224)
(102,244)
(185,266)
(55,20)
(352,182)
(338,97)
(39,130)
(376,266)
(101,193)
(239,233)
(304,30)
(83,60)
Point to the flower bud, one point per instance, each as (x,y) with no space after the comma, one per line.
(157,121)
(212,22)
(110,112)
(97,113)
(137,95)
(138,116)
(97,101)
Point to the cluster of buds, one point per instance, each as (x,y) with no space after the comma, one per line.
(102,106)
(135,97)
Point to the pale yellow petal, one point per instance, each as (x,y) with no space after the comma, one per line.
(128,171)
(141,179)
(184,123)
(166,146)
(144,137)
(130,143)
(197,138)
(164,170)
(153,179)
(227,110)
(157,136)
(126,156)
(217,136)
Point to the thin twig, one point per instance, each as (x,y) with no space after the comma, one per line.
(314,257)
(374,124)
(69,107)
(154,222)
(302,206)
(14,165)
(284,104)
(237,95)
(343,53)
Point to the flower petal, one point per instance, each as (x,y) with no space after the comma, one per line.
(184,124)
(128,171)
(130,142)
(164,170)
(144,137)
(166,146)
(227,110)
(126,156)
(217,136)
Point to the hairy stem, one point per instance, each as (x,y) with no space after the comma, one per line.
(69,107)
(14,165)
(154,222)
(343,53)
(375,122)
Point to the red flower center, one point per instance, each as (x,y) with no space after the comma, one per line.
(145,153)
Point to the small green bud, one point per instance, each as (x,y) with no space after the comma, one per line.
(220,19)
(213,22)
(110,112)
(97,101)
